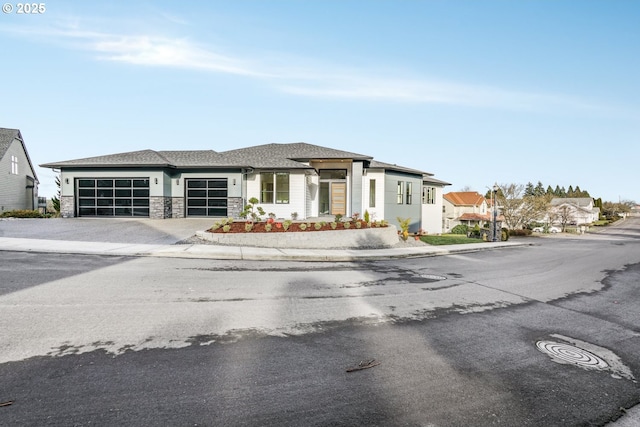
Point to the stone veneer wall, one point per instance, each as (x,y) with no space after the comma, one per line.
(159,207)
(67,206)
(177,210)
(234,207)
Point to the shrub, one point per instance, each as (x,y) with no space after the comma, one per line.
(248,227)
(358,224)
(317,226)
(286,224)
(460,229)
(303,226)
(294,215)
(226,228)
(524,232)
(24,213)
(504,236)
(367,217)
(252,211)
(267,227)
(338,218)
(347,224)
(334,225)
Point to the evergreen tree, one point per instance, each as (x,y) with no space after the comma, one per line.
(570,191)
(549,191)
(55,200)
(539,190)
(557,192)
(563,192)
(528,189)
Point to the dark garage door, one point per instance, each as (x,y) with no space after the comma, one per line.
(207,197)
(113,196)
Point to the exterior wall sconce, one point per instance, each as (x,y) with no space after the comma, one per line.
(156,180)
(178,181)
(66,180)
(234,181)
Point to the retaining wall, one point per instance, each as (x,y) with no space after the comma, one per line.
(385,237)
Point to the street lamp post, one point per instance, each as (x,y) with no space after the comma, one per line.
(495,212)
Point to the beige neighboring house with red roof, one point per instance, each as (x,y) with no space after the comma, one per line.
(464,207)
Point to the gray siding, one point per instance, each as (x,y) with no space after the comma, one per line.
(14,193)
(392,209)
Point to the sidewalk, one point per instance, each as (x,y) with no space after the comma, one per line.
(203,251)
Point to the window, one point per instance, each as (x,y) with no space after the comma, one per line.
(409,192)
(14,165)
(274,187)
(372,193)
(282,187)
(428,195)
(400,192)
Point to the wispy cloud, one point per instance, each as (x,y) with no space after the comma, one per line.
(319,80)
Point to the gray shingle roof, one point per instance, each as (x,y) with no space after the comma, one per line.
(582,202)
(285,156)
(145,158)
(267,156)
(388,166)
(6,138)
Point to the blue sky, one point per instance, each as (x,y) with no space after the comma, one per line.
(475,92)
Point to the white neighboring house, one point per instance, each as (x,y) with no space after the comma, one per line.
(579,210)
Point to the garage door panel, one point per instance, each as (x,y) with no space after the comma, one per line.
(113,197)
(207,197)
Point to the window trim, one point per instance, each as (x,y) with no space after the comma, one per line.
(278,196)
(400,193)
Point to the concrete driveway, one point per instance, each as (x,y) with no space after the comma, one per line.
(115,230)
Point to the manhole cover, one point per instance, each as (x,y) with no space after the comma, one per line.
(571,354)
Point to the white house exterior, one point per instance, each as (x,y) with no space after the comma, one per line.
(287,179)
(19,183)
(580,210)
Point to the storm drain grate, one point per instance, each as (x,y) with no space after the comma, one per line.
(571,354)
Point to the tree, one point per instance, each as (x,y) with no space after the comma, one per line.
(539,190)
(570,191)
(55,200)
(557,192)
(518,209)
(549,191)
(529,190)
(564,215)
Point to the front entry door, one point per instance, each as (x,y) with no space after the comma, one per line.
(338,198)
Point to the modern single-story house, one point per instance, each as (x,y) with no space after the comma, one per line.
(19,183)
(296,179)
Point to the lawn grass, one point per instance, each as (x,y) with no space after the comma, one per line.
(448,239)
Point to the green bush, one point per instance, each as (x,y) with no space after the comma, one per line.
(504,236)
(22,214)
(460,229)
(523,232)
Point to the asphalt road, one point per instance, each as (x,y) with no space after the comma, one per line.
(94,340)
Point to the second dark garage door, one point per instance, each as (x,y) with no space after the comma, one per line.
(207,197)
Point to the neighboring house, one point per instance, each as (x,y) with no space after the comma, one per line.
(577,210)
(464,207)
(19,183)
(300,178)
